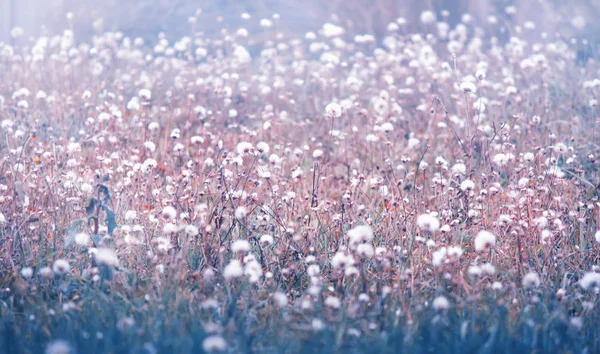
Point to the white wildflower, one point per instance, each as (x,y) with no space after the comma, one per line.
(214,343)
(241,212)
(468,87)
(145,94)
(531,280)
(459,169)
(58,347)
(130,215)
(427,17)
(467,185)
(440,303)
(107,257)
(27,272)
(484,240)
(333,110)
(333,302)
(428,222)
(61,266)
(82,239)
(233,270)
(590,281)
(240,246)
(279,299)
(169,212)
(365,250)
(360,234)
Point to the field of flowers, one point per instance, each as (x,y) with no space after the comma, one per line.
(428,192)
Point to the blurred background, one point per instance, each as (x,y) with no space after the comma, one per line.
(146,18)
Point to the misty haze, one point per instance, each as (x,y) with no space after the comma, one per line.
(362,176)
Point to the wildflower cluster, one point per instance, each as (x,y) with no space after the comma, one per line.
(331,187)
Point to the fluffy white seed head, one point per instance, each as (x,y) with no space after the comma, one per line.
(241,212)
(214,343)
(82,239)
(428,222)
(427,17)
(107,257)
(240,246)
(280,299)
(467,185)
(145,94)
(27,272)
(360,234)
(531,280)
(484,241)
(468,87)
(333,302)
(169,212)
(233,270)
(440,303)
(333,110)
(590,281)
(58,347)
(61,266)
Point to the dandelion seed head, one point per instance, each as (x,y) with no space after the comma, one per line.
(459,169)
(145,94)
(428,222)
(467,185)
(240,246)
(106,256)
(590,281)
(233,270)
(82,239)
(241,212)
(169,212)
(27,273)
(333,110)
(214,343)
(438,257)
(531,280)
(360,234)
(313,270)
(427,17)
(330,30)
(341,260)
(46,272)
(130,215)
(365,250)
(468,87)
(440,303)
(191,230)
(333,302)
(317,324)
(59,347)
(484,241)
(61,267)
(280,299)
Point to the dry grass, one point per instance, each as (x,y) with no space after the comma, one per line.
(437,192)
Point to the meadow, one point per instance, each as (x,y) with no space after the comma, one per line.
(263,192)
